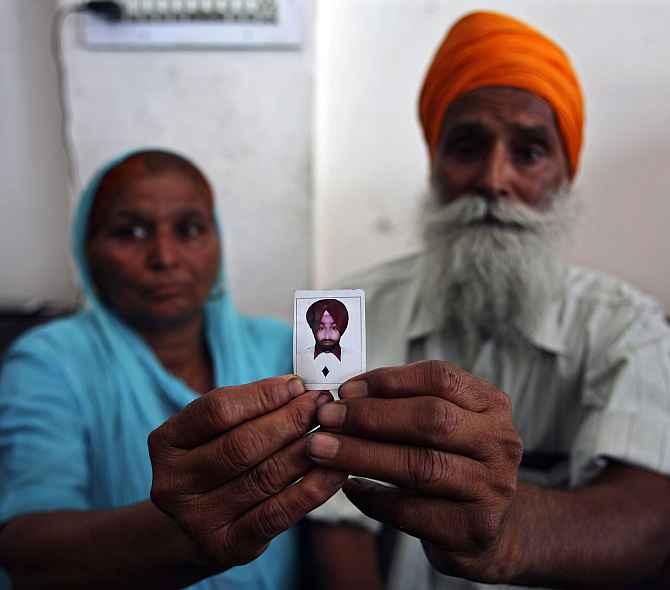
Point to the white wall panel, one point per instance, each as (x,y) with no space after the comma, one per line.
(370,158)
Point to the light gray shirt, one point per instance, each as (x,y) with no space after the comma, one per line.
(590,381)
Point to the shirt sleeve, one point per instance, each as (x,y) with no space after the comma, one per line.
(627,399)
(43,456)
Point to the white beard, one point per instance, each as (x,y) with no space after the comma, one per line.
(486,279)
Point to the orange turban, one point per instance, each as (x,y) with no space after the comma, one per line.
(490,49)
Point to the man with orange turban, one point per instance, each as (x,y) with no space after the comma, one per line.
(560,481)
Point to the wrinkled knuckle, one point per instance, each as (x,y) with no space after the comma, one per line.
(418,374)
(426,467)
(314,493)
(219,411)
(235,454)
(437,422)
(164,494)
(487,529)
(436,371)
(272,519)
(502,400)
(265,477)
(504,487)
(302,417)
(511,446)
(272,393)
(488,448)
(447,378)
(193,516)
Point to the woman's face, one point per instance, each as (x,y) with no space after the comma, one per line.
(154,248)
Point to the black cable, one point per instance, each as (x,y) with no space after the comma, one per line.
(111,11)
(62,13)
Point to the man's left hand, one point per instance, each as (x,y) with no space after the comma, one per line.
(445,438)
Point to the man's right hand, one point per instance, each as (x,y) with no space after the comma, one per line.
(224,467)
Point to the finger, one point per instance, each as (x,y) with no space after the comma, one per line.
(220,410)
(269,477)
(423,421)
(240,449)
(282,511)
(419,468)
(452,525)
(438,378)
(215,508)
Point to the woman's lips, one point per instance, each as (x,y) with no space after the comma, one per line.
(166,291)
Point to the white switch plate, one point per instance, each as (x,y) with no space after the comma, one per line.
(286,32)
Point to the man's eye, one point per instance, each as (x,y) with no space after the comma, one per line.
(464,148)
(531,154)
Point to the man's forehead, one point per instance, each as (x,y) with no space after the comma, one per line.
(511,106)
(326,316)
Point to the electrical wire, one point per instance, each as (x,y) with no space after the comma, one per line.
(62,12)
(111,11)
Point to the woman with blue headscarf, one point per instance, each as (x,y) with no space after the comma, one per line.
(158,336)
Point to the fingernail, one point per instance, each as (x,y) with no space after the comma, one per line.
(354,389)
(324,398)
(296,387)
(336,478)
(332,415)
(323,446)
(360,484)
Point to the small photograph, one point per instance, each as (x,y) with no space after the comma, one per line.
(328,337)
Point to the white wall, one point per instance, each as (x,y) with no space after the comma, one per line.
(371,164)
(244,116)
(33,172)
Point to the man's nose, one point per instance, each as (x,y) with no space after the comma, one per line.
(496,173)
(163,253)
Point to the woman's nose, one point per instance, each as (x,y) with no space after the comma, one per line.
(164,250)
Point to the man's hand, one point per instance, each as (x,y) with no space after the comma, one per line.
(445,438)
(224,467)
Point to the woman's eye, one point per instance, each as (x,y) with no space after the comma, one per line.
(138,232)
(190,229)
(131,232)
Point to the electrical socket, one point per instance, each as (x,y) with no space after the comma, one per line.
(199,24)
(217,10)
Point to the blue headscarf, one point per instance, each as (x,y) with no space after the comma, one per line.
(243,349)
(238,359)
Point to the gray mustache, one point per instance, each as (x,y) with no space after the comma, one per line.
(472,212)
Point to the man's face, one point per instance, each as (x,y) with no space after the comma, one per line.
(327,334)
(499,205)
(500,143)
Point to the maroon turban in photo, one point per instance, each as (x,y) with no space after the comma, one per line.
(335,308)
